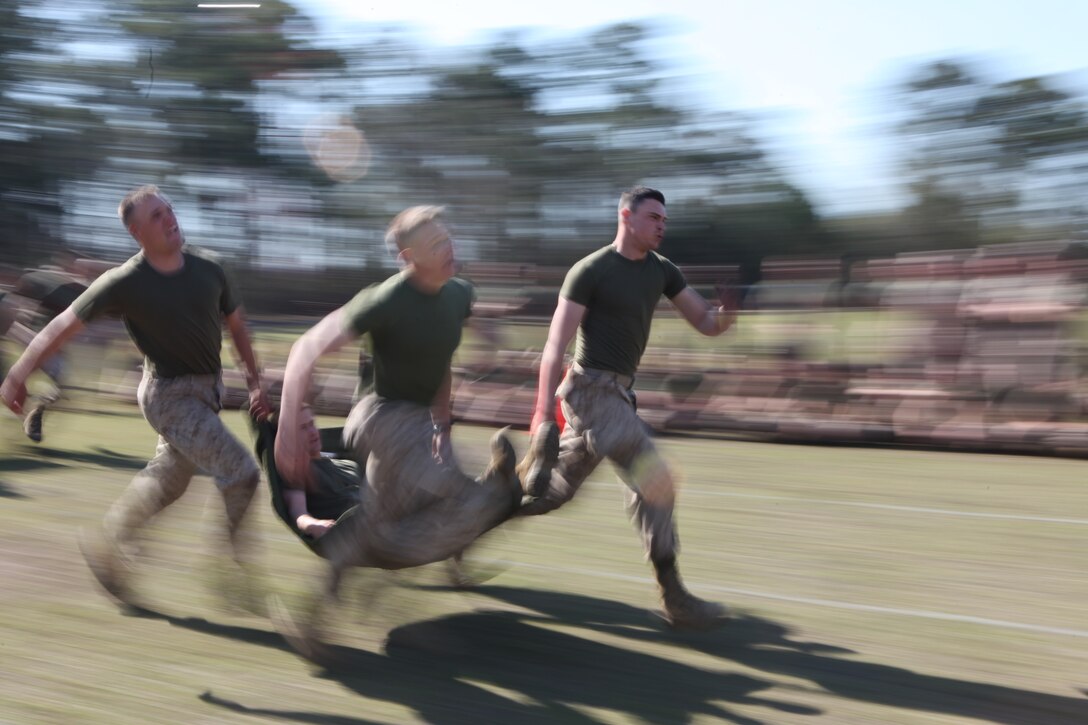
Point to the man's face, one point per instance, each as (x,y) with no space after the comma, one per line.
(155,227)
(432,251)
(646,224)
(309,430)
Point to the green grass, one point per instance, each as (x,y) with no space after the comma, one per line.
(861,598)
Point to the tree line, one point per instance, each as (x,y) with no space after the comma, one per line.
(292,147)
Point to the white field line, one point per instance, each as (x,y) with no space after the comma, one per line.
(920,613)
(884,506)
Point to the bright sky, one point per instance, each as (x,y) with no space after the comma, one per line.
(822,69)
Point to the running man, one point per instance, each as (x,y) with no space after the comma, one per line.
(417,506)
(173,301)
(608,298)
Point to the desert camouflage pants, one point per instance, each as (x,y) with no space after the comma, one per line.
(184,411)
(413,509)
(601,423)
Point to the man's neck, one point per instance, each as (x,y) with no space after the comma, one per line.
(627,248)
(166,263)
(423,283)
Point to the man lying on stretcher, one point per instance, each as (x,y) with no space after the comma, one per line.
(333,489)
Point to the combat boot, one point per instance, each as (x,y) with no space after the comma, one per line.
(682,609)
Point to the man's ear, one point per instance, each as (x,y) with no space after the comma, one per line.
(404,257)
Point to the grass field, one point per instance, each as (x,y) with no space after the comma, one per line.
(870,586)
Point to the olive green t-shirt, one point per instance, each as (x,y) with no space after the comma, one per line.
(175,319)
(413,335)
(620,296)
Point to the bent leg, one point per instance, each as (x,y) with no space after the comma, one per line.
(414,510)
(185,412)
(162,481)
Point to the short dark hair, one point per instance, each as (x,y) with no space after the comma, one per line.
(633,197)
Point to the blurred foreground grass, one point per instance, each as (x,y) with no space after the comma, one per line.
(872,586)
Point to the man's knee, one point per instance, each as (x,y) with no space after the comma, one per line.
(238,490)
(164,478)
(649,477)
(245,474)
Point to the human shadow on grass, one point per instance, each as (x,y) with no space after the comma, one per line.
(554,676)
(45,457)
(7,491)
(770,647)
(288,715)
(546,676)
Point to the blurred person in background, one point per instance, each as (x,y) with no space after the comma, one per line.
(417,506)
(608,298)
(173,301)
(37,298)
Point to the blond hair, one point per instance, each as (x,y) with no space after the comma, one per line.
(133,198)
(407,223)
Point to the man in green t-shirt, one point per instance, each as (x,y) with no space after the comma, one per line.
(173,302)
(609,298)
(417,506)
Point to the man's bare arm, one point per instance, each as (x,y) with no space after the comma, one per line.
(328,335)
(296,506)
(568,315)
(441,415)
(52,337)
(701,315)
(243,346)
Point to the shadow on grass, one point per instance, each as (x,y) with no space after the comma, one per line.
(530,664)
(9,492)
(769,647)
(44,457)
(544,676)
(289,715)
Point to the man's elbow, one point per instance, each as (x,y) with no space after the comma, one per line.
(712,326)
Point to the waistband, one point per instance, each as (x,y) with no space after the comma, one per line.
(192,377)
(626,381)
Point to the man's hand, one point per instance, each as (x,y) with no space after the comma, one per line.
(729,297)
(442,446)
(13,392)
(316,528)
(540,416)
(259,407)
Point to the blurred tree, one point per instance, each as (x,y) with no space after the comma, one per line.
(531,142)
(1039,144)
(201,70)
(989,162)
(47,131)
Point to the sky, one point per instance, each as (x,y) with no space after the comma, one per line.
(818,73)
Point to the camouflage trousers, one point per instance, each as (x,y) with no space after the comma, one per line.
(184,411)
(599,407)
(413,510)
